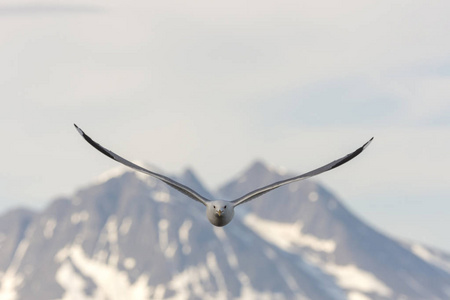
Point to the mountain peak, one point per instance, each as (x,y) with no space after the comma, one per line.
(256,175)
(258,166)
(120,170)
(189,173)
(190,178)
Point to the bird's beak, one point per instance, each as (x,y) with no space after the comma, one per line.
(219,212)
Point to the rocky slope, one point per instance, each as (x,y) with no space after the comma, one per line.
(132,237)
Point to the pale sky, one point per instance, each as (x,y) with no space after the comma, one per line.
(215,85)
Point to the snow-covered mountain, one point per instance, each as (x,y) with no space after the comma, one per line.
(129,236)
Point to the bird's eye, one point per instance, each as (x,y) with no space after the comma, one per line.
(225,206)
(214,206)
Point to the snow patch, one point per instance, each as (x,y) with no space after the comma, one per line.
(151,181)
(11,280)
(287,236)
(113,238)
(111,283)
(168,249)
(107,240)
(163,225)
(211,262)
(190,283)
(430,257)
(352,278)
(101,256)
(171,250)
(19,254)
(78,217)
(198,276)
(161,196)
(289,279)
(49,228)
(313,196)
(159,292)
(231,256)
(421,252)
(62,254)
(129,263)
(280,170)
(125,226)
(119,171)
(183,234)
(357,296)
(247,291)
(111,173)
(71,282)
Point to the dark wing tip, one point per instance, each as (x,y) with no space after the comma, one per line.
(79,129)
(93,143)
(367,144)
(350,156)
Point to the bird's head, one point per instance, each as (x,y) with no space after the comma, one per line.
(220,209)
(220,212)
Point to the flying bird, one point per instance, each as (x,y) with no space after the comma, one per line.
(221,212)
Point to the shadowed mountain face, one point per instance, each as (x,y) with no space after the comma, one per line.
(132,237)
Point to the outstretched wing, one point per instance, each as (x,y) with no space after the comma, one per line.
(332,165)
(176,185)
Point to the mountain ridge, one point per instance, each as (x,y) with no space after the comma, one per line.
(133,236)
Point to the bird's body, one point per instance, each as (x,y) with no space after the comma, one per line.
(221,212)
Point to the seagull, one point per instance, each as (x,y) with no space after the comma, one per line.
(221,212)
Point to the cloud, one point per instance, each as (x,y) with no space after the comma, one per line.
(43,8)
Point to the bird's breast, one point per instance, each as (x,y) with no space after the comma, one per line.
(217,220)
